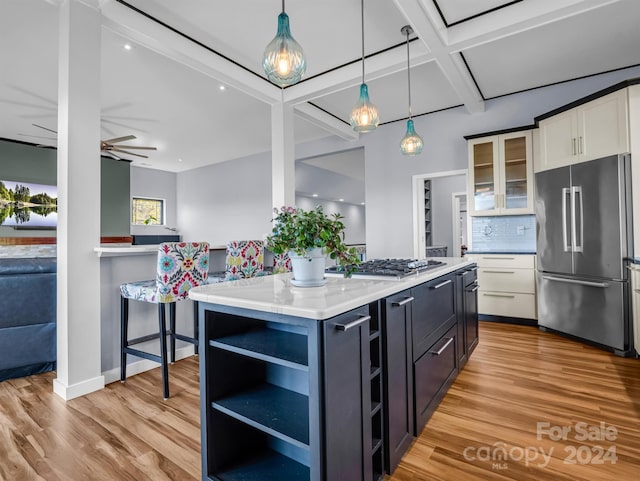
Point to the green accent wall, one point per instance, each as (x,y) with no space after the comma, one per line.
(115,199)
(24,162)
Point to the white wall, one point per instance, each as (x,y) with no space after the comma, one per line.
(226,201)
(156,184)
(354,216)
(233,199)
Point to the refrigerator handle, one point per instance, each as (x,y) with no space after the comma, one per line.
(603,285)
(566,246)
(577,223)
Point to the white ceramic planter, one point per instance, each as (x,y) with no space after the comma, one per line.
(308,271)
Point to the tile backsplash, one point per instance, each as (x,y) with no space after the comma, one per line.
(509,233)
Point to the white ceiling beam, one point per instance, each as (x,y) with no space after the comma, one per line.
(326,121)
(140,29)
(380,65)
(514,19)
(427,25)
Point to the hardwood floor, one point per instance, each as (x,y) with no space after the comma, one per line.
(517,377)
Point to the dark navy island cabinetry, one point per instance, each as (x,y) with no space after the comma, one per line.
(398,376)
(434,347)
(307,385)
(285,397)
(467,312)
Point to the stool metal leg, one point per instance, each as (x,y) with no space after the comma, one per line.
(172,328)
(196,329)
(163,350)
(124,328)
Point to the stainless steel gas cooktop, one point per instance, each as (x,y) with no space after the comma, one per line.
(389,268)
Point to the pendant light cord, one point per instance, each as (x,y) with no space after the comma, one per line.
(408,74)
(362,23)
(282,6)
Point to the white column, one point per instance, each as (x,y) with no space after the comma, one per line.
(78,310)
(283,178)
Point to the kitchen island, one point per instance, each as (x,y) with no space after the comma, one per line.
(296,382)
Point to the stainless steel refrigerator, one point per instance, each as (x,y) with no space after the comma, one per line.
(584,244)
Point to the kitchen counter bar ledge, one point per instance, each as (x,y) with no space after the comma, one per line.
(128,249)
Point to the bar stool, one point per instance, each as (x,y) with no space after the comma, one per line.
(181,266)
(281,263)
(244,259)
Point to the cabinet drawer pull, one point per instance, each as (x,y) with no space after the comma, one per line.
(357,322)
(474,289)
(498,295)
(466,272)
(499,272)
(442,284)
(441,350)
(500,258)
(406,300)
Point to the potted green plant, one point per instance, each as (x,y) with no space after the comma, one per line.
(307,236)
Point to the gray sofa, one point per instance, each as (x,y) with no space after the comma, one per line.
(27,316)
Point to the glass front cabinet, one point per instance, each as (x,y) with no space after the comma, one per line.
(500,174)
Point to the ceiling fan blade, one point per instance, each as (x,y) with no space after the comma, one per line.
(45,128)
(135,147)
(128,153)
(38,136)
(111,154)
(115,157)
(119,139)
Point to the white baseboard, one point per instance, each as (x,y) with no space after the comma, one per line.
(79,389)
(143,365)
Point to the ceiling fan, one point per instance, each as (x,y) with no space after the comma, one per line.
(110,148)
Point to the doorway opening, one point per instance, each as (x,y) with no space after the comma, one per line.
(460,223)
(433,212)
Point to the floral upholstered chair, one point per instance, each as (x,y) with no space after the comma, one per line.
(281,263)
(180,266)
(244,259)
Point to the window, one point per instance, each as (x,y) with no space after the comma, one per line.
(147,211)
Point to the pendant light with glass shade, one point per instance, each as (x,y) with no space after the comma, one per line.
(364,116)
(284,61)
(411,143)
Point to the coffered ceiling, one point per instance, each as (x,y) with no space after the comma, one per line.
(167,91)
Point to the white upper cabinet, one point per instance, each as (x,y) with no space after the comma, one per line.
(501,174)
(592,130)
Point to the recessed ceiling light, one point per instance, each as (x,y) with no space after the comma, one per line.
(341,200)
(179,160)
(128,46)
(314,195)
(361,203)
(222,87)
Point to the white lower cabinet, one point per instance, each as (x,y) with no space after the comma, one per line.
(507,285)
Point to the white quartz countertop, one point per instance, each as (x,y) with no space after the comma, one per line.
(276,294)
